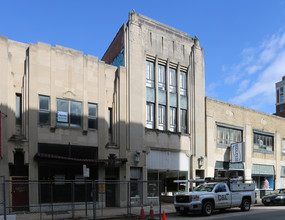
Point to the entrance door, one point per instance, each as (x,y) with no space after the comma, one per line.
(110,195)
(20,193)
(112,188)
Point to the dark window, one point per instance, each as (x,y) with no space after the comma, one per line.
(92,116)
(18,109)
(44,110)
(110,122)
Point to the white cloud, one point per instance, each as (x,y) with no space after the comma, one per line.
(255,76)
(264,85)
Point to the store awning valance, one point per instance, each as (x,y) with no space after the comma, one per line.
(260,169)
(58,157)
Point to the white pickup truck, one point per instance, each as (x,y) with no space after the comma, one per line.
(215,195)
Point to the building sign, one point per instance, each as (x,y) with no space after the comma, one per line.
(86,171)
(237,152)
(62,116)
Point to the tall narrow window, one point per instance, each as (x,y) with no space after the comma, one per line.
(149,74)
(172,80)
(18,109)
(161,117)
(44,110)
(183,120)
(110,122)
(283,146)
(150,115)
(172,119)
(161,77)
(92,116)
(183,81)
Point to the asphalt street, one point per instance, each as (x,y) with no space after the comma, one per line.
(256,213)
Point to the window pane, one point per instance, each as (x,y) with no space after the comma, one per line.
(150,115)
(182,83)
(75,113)
(161,117)
(172,80)
(62,110)
(92,123)
(18,109)
(149,74)
(161,77)
(44,102)
(183,120)
(44,117)
(92,110)
(172,119)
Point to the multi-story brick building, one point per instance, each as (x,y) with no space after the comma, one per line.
(138,114)
(280,102)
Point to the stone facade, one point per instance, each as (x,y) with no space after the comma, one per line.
(263,135)
(60,106)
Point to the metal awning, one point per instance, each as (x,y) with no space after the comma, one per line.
(83,160)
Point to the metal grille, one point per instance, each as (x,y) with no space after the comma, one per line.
(183,199)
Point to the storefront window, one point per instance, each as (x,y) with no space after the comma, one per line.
(168,186)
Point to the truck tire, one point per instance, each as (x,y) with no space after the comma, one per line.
(245,205)
(207,208)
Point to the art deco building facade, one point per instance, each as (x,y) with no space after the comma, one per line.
(137,114)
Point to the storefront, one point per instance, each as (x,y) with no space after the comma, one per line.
(168,166)
(282,178)
(263,176)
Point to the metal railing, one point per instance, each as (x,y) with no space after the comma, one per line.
(50,200)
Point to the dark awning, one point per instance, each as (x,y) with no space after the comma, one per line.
(58,157)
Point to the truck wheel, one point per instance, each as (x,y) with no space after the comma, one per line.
(245,205)
(207,208)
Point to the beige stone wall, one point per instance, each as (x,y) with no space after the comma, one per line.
(248,119)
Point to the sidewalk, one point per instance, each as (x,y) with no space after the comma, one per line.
(106,213)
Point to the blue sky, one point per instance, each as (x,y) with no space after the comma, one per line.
(243,40)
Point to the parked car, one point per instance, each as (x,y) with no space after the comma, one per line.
(277,197)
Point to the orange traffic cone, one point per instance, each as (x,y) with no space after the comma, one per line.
(151,214)
(163,215)
(142,211)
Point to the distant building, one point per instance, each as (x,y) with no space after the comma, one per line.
(280,101)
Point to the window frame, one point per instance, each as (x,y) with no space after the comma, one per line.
(149,74)
(172,119)
(70,115)
(262,141)
(183,118)
(172,80)
(161,120)
(161,77)
(183,83)
(227,135)
(44,111)
(93,117)
(283,146)
(18,109)
(150,123)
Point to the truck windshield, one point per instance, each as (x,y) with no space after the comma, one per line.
(204,187)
